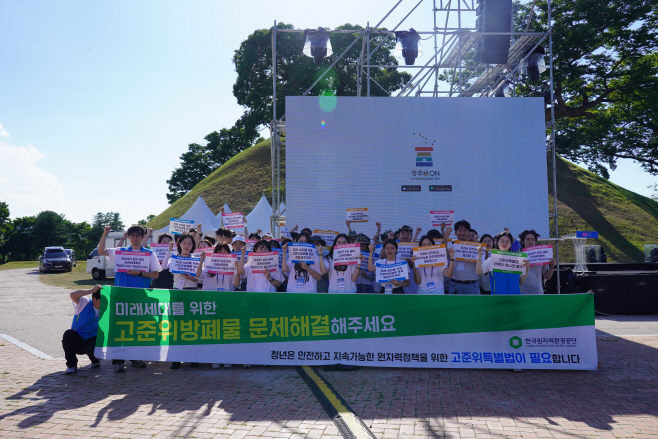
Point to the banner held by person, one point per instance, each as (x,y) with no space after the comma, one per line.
(125,261)
(250,244)
(233,220)
(179,226)
(301,252)
(262,262)
(347,254)
(221,263)
(422,331)
(397,271)
(405,248)
(508,262)
(359,215)
(328,235)
(431,256)
(284,232)
(439,217)
(466,251)
(539,254)
(160,250)
(182,264)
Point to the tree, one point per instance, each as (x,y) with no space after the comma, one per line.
(297,72)
(143,222)
(77,237)
(20,245)
(99,221)
(6,228)
(48,230)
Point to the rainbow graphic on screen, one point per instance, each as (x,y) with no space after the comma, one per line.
(424,153)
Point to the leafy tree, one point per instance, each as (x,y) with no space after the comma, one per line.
(48,230)
(99,221)
(143,222)
(78,237)
(296,72)
(20,245)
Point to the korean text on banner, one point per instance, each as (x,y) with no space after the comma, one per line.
(284,232)
(233,220)
(386,273)
(160,250)
(301,252)
(539,254)
(262,262)
(130,260)
(221,263)
(404,249)
(359,215)
(327,235)
(198,251)
(178,226)
(347,254)
(529,331)
(181,264)
(431,256)
(250,244)
(438,217)
(466,250)
(508,262)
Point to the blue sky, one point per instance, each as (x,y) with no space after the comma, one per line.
(99,99)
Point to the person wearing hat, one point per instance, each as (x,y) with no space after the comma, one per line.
(320,244)
(239,245)
(365,283)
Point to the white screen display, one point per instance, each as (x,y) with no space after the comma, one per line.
(484,158)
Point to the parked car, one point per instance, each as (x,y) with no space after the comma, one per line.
(54,258)
(71,253)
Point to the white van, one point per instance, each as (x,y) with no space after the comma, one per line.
(101,267)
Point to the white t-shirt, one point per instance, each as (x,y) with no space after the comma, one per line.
(341,281)
(180,283)
(82,302)
(301,285)
(258,283)
(218,282)
(431,280)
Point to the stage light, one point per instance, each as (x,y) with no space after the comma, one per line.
(534,64)
(317,45)
(408,46)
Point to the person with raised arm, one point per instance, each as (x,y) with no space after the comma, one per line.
(260,282)
(303,278)
(342,278)
(390,252)
(131,278)
(464,279)
(534,284)
(430,280)
(502,283)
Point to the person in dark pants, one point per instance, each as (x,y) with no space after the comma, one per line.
(81,338)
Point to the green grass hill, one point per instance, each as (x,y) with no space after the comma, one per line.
(625,220)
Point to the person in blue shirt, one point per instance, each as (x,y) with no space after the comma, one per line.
(131,278)
(81,338)
(502,283)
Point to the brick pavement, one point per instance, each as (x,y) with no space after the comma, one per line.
(619,400)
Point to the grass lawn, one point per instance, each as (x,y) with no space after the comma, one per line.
(19,264)
(77,279)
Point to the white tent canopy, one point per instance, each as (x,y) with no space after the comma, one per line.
(259,217)
(226,210)
(199,213)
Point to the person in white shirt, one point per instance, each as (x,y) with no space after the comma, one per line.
(366,279)
(534,283)
(185,247)
(390,252)
(303,277)
(342,278)
(261,282)
(217,282)
(430,280)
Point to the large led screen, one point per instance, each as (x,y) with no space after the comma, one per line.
(484,158)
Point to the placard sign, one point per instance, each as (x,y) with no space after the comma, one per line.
(160,250)
(431,256)
(404,249)
(364,264)
(125,261)
(347,254)
(438,217)
(284,232)
(221,263)
(233,220)
(179,226)
(263,262)
(539,254)
(198,251)
(250,244)
(327,235)
(587,234)
(301,252)
(386,273)
(507,262)
(466,251)
(359,215)
(181,264)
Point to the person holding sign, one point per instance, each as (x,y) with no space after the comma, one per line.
(534,284)
(258,282)
(240,248)
(390,252)
(342,277)
(185,247)
(365,283)
(304,276)
(464,279)
(131,278)
(216,281)
(484,281)
(502,283)
(165,280)
(430,279)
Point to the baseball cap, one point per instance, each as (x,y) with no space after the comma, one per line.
(238,238)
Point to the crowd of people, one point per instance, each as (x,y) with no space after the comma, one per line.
(320,275)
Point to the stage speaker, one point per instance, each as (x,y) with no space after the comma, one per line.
(493,16)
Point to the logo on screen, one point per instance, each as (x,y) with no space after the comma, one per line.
(424,153)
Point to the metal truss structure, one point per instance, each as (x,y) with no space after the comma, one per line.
(452,49)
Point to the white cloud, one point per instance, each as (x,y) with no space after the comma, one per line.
(3,132)
(26,187)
